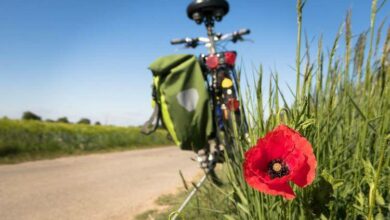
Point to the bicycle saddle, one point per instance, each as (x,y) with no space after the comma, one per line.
(209,9)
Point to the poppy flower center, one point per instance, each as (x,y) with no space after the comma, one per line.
(277,168)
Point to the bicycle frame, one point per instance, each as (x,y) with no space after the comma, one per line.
(220,68)
(222,82)
(211,36)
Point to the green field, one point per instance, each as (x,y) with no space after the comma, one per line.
(29,140)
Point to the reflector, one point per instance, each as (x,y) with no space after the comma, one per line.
(212,61)
(230,58)
(233,104)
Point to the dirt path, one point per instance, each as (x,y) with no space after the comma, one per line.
(101,186)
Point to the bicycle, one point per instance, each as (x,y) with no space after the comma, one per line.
(222,81)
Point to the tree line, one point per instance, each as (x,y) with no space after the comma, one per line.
(28,115)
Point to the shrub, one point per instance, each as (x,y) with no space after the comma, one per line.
(63,120)
(30,116)
(85,121)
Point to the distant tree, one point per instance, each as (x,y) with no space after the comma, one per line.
(30,116)
(63,120)
(85,121)
(97,123)
(49,120)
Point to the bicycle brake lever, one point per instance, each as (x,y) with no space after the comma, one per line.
(241,39)
(237,38)
(249,40)
(193,44)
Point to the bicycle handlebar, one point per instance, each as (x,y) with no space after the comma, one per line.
(193,42)
(178,41)
(243,31)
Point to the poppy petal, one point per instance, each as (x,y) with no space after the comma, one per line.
(277,143)
(256,160)
(307,171)
(295,161)
(284,190)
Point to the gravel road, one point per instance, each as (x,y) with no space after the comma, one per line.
(101,186)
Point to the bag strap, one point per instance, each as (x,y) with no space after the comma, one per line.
(148,126)
(151,125)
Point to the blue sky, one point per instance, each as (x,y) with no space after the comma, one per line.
(89,58)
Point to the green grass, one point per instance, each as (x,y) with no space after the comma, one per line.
(210,202)
(31,140)
(342,106)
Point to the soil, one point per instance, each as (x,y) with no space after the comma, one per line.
(101,186)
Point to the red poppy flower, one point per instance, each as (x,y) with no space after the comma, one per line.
(283,155)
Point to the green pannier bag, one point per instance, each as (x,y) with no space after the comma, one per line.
(181,101)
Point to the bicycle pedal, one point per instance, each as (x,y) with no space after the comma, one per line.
(220,157)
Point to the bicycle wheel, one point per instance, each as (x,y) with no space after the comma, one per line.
(235,125)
